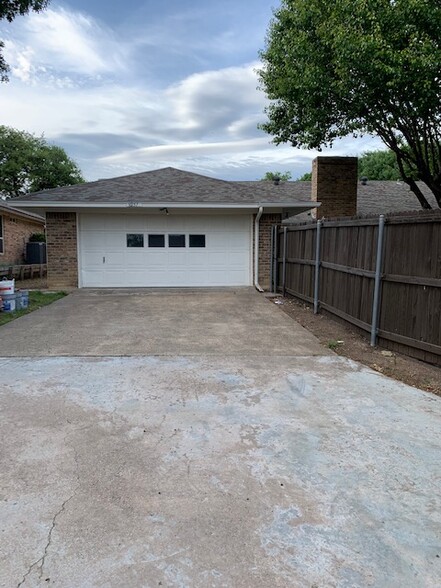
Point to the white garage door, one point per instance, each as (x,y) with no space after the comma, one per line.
(164,250)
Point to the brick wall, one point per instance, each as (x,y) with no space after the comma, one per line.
(62,259)
(265,224)
(16,232)
(334,184)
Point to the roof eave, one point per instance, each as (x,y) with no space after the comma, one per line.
(15,212)
(48,205)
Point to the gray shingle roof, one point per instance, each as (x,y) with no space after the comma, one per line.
(382,197)
(379,197)
(266,191)
(168,185)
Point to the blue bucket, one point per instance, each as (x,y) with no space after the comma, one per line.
(22,300)
(9,301)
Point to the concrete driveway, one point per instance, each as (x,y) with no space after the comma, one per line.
(158,322)
(229,450)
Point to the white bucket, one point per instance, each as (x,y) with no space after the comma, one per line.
(7,286)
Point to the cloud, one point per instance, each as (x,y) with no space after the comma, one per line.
(20,60)
(74,80)
(214,106)
(196,33)
(187,149)
(63,41)
(215,101)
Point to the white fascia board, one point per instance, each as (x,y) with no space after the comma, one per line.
(172,205)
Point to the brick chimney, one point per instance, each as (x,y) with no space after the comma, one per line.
(334,184)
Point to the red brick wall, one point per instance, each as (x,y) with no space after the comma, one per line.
(16,232)
(334,184)
(265,224)
(62,258)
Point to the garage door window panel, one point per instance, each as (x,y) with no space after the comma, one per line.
(156,240)
(197,241)
(135,240)
(176,241)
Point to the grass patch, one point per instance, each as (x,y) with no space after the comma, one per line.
(37,299)
(334,345)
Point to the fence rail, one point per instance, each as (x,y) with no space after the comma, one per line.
(23,272)
(381,274)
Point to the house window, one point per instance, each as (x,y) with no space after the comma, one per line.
(135,240)
(197,240)
(176,240)
(2,249)
(156,241)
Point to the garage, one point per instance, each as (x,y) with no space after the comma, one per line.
(154,250)
(163,228)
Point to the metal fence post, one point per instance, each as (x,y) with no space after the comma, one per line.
(284,262)
(377,283)
(317,266)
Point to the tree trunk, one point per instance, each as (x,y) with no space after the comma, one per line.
(416,190)
(411,183)
(436,192)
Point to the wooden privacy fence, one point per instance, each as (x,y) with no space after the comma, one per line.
(23,272)
(381,274)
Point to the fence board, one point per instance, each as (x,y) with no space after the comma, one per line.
(410,302)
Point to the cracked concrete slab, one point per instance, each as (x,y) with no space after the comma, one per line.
(195,471)
(228,449)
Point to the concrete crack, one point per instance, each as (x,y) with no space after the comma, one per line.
(39,563)
(162,439)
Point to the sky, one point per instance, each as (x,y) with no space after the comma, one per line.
(132,86)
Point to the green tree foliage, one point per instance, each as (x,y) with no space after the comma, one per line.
(28,164)
(9,9)
(271,176)
(344,67)
(376,165)
(382,165)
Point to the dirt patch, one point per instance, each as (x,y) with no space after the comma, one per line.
(349,343)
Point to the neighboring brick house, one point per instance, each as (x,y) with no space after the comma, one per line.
(161,228)
(16,226)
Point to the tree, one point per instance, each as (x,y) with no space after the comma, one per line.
(375,165)
(382,165)
(332,69)
(28,164)
(9,9)
(271,176)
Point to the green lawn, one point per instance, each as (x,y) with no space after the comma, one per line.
(36,300)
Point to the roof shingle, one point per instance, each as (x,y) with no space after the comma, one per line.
(170,185)
(166,185)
